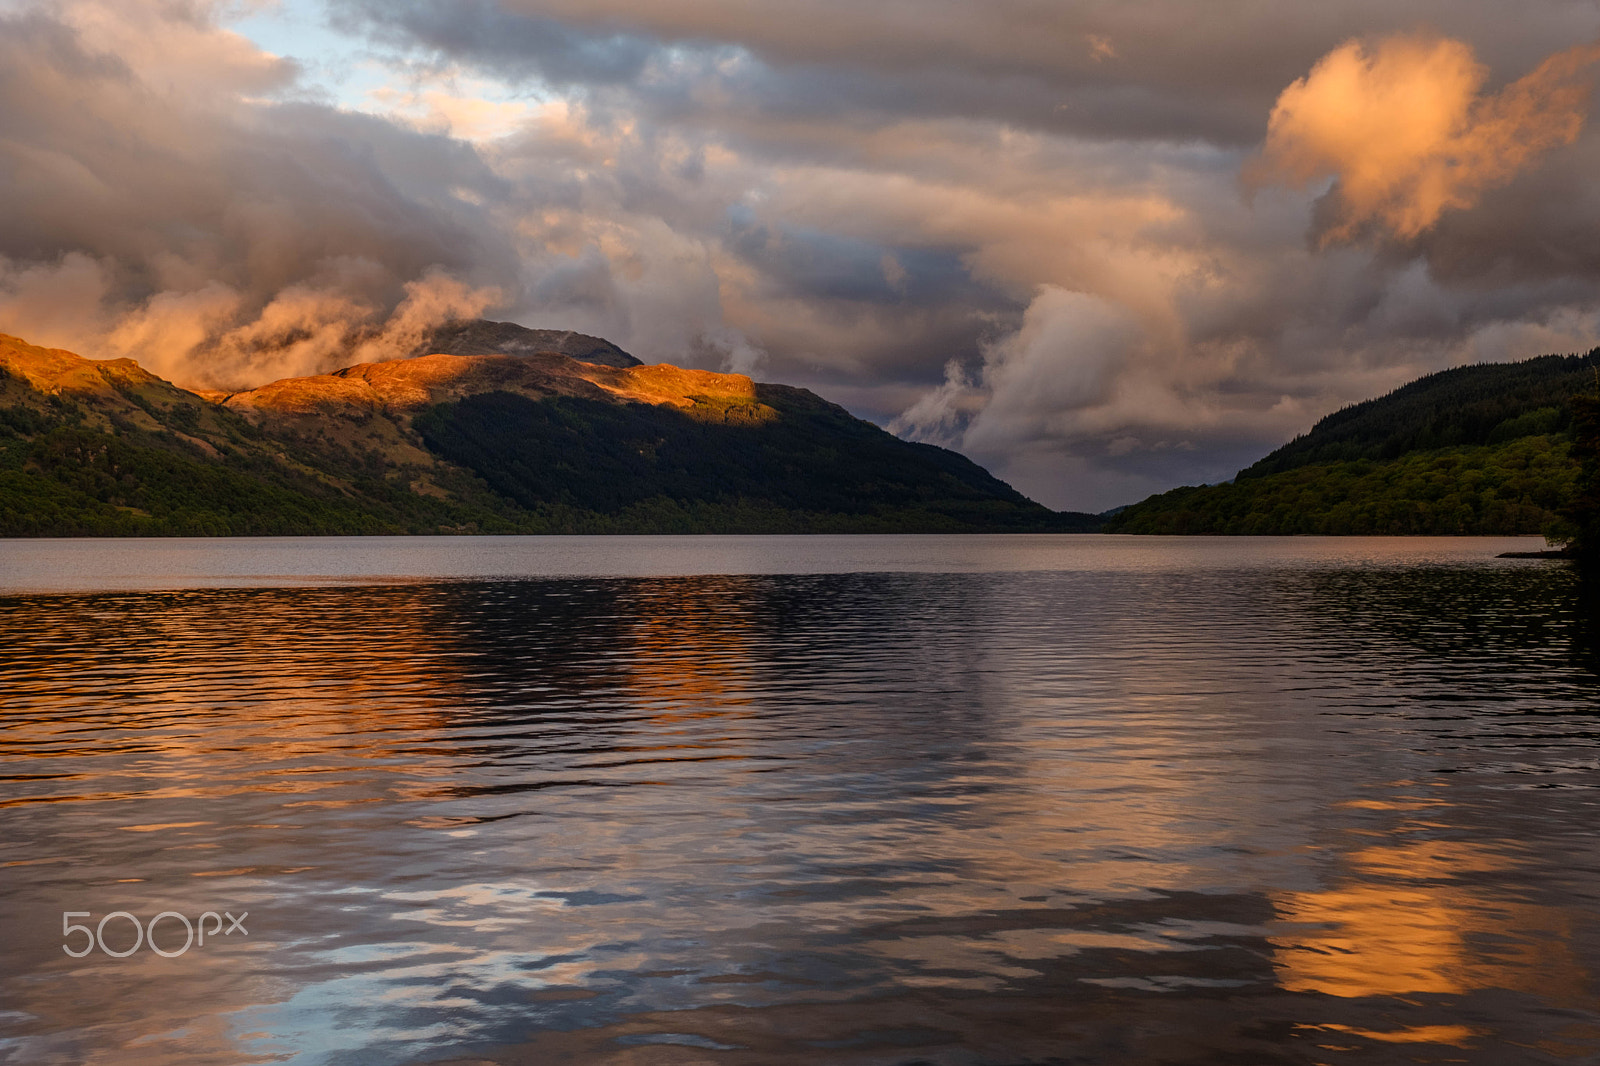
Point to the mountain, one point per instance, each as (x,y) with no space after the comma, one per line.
(532,442)
(1480,449)
(481,337)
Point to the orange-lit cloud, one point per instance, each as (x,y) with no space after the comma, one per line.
(1100,47)
(1406,129)
(213,337)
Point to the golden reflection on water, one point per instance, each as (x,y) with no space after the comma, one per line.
(690,654)
(1452,1035)
(240,693)
(1425,917)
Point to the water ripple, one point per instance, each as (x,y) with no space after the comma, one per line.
(1336,810)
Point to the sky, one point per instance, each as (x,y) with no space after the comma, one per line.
(1102,248)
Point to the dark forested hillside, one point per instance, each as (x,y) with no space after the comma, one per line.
(1469,405)
(805,459)
(1474,450)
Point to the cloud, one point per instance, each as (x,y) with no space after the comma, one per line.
(56,303)
(169,329)
(1036,383)
(941,416)
(1082,406)
(157,208)
(1183,69)
(1405,129)
(434,298)
(209,337)
(1055,371)
(971,222)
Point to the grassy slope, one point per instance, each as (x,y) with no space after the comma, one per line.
(62,474)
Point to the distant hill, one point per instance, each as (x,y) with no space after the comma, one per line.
(1470,405)
(481,337)
(1475,450)
(497,443)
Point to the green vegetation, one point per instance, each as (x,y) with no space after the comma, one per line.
(1491,449)
(81,482)
(1516,487)
(1486,404)
(1581,515)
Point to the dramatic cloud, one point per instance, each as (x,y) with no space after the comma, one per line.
(211,238)
(1404,129)
(1018,229)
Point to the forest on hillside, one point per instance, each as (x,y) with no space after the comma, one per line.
(1481,450)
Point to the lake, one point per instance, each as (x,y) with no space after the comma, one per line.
(772,800)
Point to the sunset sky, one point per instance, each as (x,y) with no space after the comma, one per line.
(1103,248)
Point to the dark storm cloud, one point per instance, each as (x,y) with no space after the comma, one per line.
(812,263)
(517,44)
(1169,69)
(1541,227)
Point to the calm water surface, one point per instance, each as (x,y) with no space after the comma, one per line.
(856,800)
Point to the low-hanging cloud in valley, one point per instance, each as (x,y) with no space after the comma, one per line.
(1405,127)
(1034,383)
(210,336)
